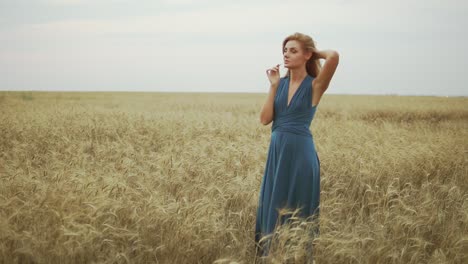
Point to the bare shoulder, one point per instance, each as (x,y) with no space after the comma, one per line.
(317,92)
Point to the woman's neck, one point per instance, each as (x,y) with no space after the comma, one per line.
(297,75)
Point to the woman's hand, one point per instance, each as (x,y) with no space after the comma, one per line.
(274,74)
(323,54)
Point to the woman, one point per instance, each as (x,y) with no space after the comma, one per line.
(292,171)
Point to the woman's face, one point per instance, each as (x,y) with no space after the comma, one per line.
(293,55)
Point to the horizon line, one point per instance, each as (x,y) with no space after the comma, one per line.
(215,92)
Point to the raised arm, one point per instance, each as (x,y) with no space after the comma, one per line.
(267,112)
(325,75)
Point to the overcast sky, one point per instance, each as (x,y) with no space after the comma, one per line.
(386,47)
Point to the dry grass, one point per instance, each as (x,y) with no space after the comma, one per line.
(174,178)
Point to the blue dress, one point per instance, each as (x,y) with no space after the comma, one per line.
(292,173)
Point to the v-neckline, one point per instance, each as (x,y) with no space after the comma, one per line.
(288,104)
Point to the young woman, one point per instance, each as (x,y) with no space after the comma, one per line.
(292,172)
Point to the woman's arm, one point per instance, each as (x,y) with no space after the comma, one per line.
(267,113)
(328,70)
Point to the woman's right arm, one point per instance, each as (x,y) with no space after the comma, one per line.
(267,113)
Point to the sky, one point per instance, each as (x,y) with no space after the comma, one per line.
(399,47)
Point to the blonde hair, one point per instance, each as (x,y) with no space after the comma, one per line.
(313,65)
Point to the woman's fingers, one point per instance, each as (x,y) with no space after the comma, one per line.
(274,69)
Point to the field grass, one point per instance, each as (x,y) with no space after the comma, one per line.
(175,177)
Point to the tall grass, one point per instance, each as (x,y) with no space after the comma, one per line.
(174,178)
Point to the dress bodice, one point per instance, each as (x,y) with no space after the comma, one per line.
(297,117)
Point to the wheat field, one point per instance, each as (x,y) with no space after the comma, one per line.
(97,177)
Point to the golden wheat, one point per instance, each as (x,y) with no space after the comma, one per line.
(174,178)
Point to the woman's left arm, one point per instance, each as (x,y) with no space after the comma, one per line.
(325,75)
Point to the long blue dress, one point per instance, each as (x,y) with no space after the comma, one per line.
(292,173)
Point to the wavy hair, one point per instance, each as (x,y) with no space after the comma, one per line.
(313,65)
